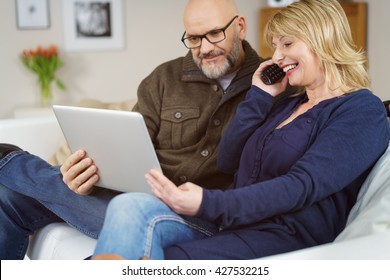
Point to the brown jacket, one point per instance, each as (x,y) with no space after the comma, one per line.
(186,114)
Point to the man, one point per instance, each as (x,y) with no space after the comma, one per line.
(187,103)
(386,103)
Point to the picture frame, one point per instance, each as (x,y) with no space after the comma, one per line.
(32,14)
(93,25)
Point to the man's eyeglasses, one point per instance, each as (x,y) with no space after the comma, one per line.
(213,37)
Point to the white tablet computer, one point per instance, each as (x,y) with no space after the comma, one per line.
(117,141)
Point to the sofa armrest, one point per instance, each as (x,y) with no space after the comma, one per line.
(59,241)
(38,135)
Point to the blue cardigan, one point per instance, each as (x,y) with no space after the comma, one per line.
(308,200)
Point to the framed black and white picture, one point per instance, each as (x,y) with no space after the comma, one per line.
(32,14)
(93,25)
(280,3)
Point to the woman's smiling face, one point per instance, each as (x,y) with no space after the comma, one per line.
(302,66)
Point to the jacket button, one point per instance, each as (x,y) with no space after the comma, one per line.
(217,122)
(204,153)
(215,88)
(178,115)
(183,179)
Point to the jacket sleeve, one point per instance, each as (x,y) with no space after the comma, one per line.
(353,138)
(249,115)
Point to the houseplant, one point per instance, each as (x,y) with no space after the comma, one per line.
(44,62)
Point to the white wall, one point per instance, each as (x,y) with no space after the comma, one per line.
(152,35)
(378,40)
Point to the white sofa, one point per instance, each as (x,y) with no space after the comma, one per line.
(367,235)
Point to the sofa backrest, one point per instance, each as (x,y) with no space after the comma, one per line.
(38,135)
(371,213)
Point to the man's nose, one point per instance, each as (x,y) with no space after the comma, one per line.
(206,46)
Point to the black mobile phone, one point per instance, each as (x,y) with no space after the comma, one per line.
(272,74)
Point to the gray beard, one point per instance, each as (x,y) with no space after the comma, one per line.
(214,72)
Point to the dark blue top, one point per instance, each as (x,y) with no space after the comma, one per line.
(303,178)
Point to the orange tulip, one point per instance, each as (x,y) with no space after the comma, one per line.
(44,62)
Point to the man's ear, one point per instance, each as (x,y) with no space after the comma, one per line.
(242,28)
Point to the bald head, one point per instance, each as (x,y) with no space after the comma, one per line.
(219,29)
(204,13)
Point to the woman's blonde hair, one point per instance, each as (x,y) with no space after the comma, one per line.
(324,27)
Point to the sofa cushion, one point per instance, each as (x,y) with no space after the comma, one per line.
(123,105)
(371,213)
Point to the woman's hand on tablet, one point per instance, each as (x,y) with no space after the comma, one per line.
(184,199)
(79,173)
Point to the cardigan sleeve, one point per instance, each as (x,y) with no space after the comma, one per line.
(350,141)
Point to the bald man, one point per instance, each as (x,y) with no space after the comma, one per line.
(186,103)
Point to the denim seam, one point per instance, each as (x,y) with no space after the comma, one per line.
(8,157)
(155,220)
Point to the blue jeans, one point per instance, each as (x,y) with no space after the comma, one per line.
(140,224)
(32,195)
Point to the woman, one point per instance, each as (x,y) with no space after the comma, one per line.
(299,160)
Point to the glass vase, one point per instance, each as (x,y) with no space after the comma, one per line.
(46,98)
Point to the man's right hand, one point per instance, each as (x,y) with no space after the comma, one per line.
(79,173)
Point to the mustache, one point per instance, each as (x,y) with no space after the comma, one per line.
(211,54)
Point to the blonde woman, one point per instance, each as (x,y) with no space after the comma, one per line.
(299,161)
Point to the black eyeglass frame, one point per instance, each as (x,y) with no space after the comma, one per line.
(223,29)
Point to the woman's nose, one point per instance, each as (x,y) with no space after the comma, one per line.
(277,56)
